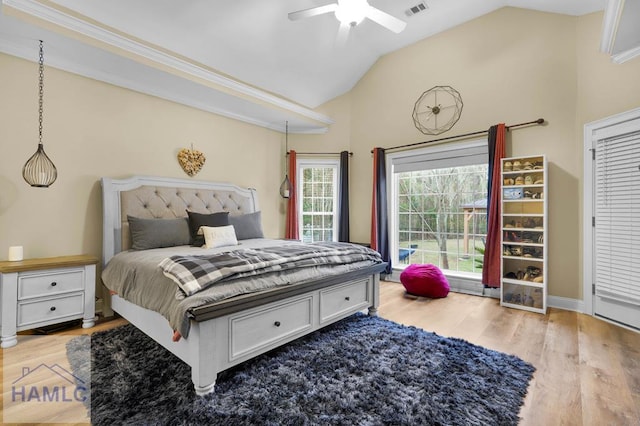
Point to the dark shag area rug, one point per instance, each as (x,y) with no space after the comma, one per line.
(360,371)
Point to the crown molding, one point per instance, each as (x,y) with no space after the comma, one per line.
(145,54)
(121,80)
(622,57)
(610,23)
(612,14)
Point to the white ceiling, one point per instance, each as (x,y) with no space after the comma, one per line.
(243,59)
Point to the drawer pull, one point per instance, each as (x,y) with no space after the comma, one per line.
(53,284)
(277,323)
(347,298)
(53,308)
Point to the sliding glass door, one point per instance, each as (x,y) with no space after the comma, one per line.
(438,206)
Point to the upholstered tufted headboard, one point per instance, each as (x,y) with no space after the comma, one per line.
(163,198)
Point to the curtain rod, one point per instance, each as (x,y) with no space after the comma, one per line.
(320,153)
(538,121)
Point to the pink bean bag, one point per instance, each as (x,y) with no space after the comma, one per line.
(425,280)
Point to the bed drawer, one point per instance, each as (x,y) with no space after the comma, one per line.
(50,310)
(50,283)
(269,327)
(343,300)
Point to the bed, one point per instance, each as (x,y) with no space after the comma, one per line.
(223,332)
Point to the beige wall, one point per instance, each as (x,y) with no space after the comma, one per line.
(510,66)
(604,88)
(92,129)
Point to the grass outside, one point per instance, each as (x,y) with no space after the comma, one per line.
(427,251)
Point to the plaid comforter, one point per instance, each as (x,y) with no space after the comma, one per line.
(195,273)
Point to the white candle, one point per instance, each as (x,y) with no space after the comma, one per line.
(286,193)
(15,253)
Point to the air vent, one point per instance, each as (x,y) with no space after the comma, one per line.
(420,7)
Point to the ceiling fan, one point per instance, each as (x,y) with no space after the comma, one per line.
(351,12)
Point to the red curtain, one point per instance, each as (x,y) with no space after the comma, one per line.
(491,266)
(291,227)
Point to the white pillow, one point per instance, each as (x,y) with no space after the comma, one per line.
(219,236)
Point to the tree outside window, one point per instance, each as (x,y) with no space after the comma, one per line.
(441,217)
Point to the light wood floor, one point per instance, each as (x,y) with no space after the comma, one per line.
(588,371)
(32,350)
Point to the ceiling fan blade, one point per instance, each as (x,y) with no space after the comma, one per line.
(343,34)
(308,13)
(389,22)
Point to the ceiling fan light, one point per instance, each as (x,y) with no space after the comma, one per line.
(351,12)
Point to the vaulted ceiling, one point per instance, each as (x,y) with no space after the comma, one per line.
(243,59)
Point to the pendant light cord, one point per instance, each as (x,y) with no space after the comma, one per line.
(285,187)
(40,93)
(286,148)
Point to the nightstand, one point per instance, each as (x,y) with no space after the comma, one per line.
(40,292)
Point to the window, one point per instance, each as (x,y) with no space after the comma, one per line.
(438,207)
(318,200)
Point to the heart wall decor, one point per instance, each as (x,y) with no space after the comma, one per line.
(191,160)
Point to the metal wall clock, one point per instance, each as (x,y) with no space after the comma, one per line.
(437,110)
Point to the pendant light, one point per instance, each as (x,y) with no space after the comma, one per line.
(39,171)
(285,188)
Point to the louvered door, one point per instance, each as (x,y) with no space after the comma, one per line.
(617,224)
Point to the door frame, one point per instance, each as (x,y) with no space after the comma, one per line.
(590,135)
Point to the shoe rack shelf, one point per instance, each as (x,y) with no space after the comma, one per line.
(524,233)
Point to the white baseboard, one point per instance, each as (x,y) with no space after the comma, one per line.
(465,285)
(565,303)
(492,292)
(460,285)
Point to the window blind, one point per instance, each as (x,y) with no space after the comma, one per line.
(428,159)
(617,213)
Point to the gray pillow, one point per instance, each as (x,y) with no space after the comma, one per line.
(155,233)
(247,225)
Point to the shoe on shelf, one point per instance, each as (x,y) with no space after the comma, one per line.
(507,167)
(516,166)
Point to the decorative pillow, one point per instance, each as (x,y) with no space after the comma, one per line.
(247,225)
(425,280)
(219,236)
(196,220)
(155,233)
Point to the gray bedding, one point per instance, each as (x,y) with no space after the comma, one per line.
(193,274)
(136,277)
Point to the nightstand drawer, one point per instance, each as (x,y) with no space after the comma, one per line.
(50,309)
(50,283)
(344,300)
(45,291)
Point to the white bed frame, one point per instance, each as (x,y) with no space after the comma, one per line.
(232,331)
